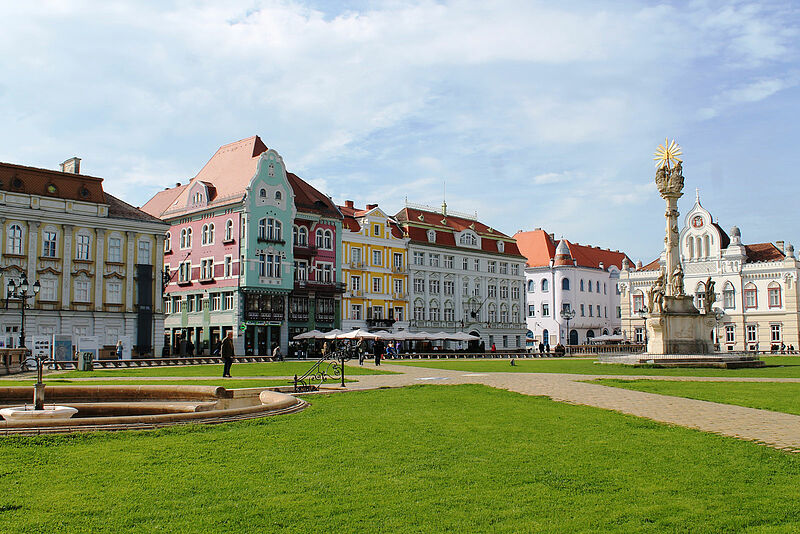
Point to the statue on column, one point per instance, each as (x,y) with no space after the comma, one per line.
(677,280)
(710,296)
(655,296)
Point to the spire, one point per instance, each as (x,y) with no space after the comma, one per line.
(697,194)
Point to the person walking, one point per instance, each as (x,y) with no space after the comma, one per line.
(361,351)
(377,349)
(276,353)
(227,354)
(119,349)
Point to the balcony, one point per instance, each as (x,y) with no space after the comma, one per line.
(270,240)
(305,251)
(380,323)
(313,285)
(398,269)
(399,296)
(356,264)
(356,293)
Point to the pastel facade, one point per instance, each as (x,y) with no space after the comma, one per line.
(463,277)
(250,264)
(96,258)
(374,269)
(569,276)
(755,286)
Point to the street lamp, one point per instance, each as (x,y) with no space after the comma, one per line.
(21,292)
(567,314)
(643,314)
(718,315)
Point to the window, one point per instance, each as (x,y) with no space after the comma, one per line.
(355,312)
(185,271)
(431,236)
(328,240)
(477,264)
(638,302)
(515,292)
(49,245)
(49,291)
(730,333)
(433,287)
(434,260)
(207,269)
(505,338)
(503,314)
(581,285)
(515,269)
(590,311)
(14,245)
(186,238)
(115,249)
(82,251)
(398,260)
(545,286)
(278,195)
(504,291)
(583,310)
(269,265)
(207,234)
(750,296)
(319,238)
(449,287)
(228,269)
(465,264)
(466,288)
(491,266)
(565,284)
(491,291)
(81,291)
(419,312)
(270,229)
(729,297)
(503,267)
(638,334)
(377,257)
(324,272)
(419,258)
(619,312)
(531,286)
(227,303)
(476,291)
(262,193)
(774,294)
(700,296)
(468,239)
(545,310)
(355,256)
(355,283)
(144,252)
(377,285)
(775,333)
(448,262)
(167,242)
(376,230)
(114,292)
(449,312)
(531,310)
(228,230)
(590,286)
(419,285)
(300,236)
(433,311)
(398,286)
(216,302)
(751,333)
(190,303)
(300,270)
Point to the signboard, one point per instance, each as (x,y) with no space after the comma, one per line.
(62,348)
(42,347)
(89,344)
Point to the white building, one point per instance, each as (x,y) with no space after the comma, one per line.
(98,260)
(755,286)
(463,277)
(569,277)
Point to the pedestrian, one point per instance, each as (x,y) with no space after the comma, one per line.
(189,348)
(361,351)
(227,354)
(541,349)
(119,349)
(276,353)
(494,348)
(377,349)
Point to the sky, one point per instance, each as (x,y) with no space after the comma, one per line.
(532,114)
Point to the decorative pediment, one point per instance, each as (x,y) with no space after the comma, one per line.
(14,262)
(114,274)
(48,270)
(117,270)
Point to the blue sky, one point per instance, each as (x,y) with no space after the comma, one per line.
(534,114)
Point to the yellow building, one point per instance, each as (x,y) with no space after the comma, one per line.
(374,269)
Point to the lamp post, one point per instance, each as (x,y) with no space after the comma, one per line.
(23,292)
(718,315)
(567,314)
(643,314)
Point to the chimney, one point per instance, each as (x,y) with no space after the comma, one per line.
(602,267)
(349,204)
(177,184)
(371,206)
(779,244)
(72,166)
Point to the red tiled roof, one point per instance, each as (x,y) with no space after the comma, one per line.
(539,248)
(763,252)
(162,200)
(352,214)
(654,265)
(35,181)
(445,226)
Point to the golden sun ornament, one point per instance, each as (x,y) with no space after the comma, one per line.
(667,154)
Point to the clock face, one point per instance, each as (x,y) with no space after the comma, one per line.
(697,221)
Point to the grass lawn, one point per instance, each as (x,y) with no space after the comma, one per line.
(777,366)
(775,396)
(240,369)
(418,459)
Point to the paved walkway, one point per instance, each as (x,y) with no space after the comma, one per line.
(778,430)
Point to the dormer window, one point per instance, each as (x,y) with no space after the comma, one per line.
(431,236)
(468,239)
(501,246)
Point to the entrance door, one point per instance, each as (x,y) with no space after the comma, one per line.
(573,337)
(545,336)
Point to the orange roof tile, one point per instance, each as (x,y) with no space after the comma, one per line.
(763,252)
(162,200)
(539,248)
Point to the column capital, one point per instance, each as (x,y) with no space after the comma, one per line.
(100,232)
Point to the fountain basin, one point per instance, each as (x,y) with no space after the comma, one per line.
(26,414)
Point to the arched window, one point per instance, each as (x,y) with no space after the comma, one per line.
(728,296)
(774,294)
(707,245)
(229,230)
(302,236)
(262,228)
(204,235)
(14,245)
(328,240)
(750,296)
(188,238)
(183,238)
(270,229)
(565,284)
(82,250)
(698,248)
(320,238)
(167,242)
(700,296)
(581,284)
(278,195)
(295,239)
(690,246)
(49,242)
(638,301)
(545,286)
(262,193)
(531,286)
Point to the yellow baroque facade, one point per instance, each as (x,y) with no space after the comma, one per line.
(374,269)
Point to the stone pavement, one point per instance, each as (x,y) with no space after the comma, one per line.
(778,430)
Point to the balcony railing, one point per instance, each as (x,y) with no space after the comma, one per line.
(380,323)
(398,269)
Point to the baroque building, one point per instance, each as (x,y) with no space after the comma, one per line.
(569,277)
(463,276)
(374,270)
(755,295)
(251,248)
(95,257)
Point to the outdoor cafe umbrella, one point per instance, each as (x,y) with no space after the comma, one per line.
(308,335)
(463,336)
(357,334)
(333,334)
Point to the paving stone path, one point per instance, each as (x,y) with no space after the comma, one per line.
(778,430)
